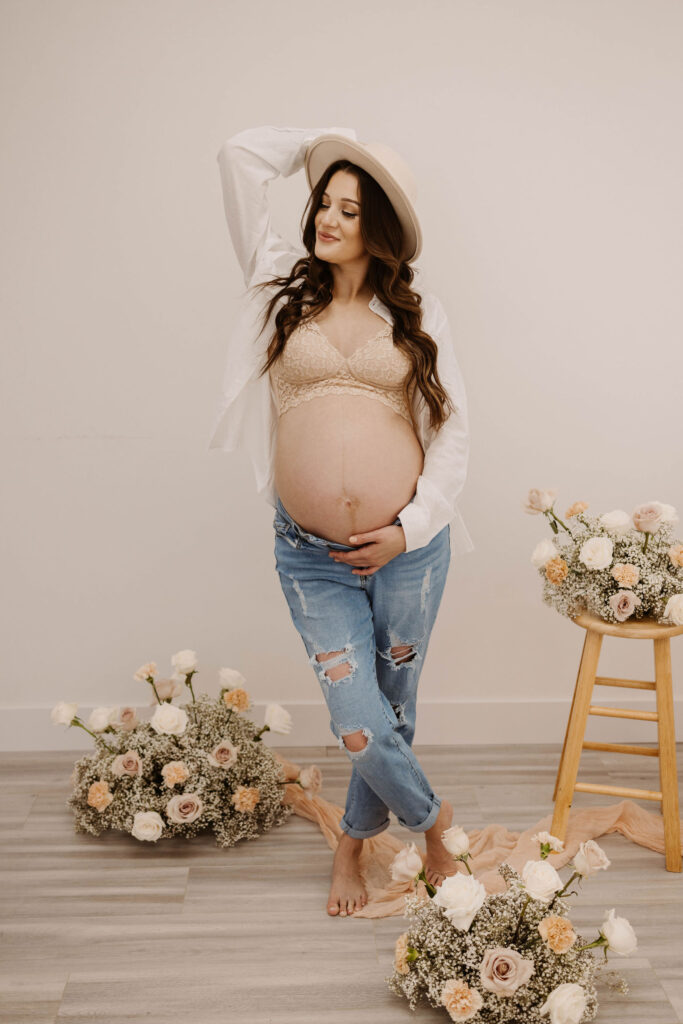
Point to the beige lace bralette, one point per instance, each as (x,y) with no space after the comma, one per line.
(311,365)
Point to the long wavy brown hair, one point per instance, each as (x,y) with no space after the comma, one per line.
(308,289)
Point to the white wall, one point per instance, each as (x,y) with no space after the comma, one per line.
(545,136)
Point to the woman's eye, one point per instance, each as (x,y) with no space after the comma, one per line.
(345,212)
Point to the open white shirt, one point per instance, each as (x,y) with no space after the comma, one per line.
(247,412)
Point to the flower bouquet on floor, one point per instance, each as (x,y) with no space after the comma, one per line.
(190,767)
(617,566)
(506,958)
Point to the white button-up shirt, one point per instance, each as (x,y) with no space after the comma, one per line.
(247,411)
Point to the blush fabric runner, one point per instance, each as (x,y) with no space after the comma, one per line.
(489,846)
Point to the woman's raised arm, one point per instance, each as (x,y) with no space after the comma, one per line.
(247,162)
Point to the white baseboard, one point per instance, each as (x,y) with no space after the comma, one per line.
(438,722)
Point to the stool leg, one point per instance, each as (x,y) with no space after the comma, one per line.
(571,712)
(575,732)
(666,733)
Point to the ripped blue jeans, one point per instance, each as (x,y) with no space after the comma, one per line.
(377,628)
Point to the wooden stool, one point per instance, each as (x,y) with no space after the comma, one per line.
(566,785)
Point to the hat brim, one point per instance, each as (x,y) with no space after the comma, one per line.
(324,150)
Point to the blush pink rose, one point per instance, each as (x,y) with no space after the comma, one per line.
(503,971)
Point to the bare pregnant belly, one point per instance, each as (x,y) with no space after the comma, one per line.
(345,464)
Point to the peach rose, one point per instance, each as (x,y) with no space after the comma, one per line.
(503,971)
(99,795)
(237,699)
(245,798)
(676,555)
(129,763)
(461,1001)
(648,518)
(557,932)
(224,755)
(623,604)
(184,808)
(556,570)
(175,772)
(401,954)
(625,574)
(576,509)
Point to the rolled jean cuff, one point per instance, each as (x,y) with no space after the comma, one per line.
(429,820)
(360,833)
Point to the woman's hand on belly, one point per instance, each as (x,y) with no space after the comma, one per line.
(377,548)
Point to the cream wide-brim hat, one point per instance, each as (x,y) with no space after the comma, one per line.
(388,169)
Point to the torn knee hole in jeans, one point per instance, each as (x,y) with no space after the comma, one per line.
(403,654)
(342,668)
(355,740)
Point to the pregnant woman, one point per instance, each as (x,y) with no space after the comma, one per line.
(352,407)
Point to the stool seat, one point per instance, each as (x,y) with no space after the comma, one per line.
(646,628)
(566,783)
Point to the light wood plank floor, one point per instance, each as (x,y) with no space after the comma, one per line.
(117,931)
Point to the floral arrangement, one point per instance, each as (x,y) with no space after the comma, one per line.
(509,957)
(188,768)
(617,566)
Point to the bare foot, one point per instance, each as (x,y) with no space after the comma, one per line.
(439,862)
(347,891)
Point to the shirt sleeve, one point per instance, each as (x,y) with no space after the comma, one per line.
(446,457)
(248,161)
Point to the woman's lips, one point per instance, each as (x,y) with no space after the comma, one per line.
(327,238)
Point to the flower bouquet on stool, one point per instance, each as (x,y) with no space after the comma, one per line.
(510,957)
(617,566)
(189,767)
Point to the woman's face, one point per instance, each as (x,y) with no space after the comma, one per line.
(339,218)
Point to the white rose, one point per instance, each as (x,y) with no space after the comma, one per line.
(541,880)
(100,718)
(565,1004)
(668,512)
(539,501)
(311,779)
(619,934)
(184,662)
(543,552)
(455,840)
(545,838)
(461,896)
(147,825)
(230,678)
(278,719)
(674,609)
(590,858)
(617,522)
(169,719)
(596,553)
(63,714)
(406,864)
(146,670)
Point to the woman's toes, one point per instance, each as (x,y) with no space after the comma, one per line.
(333,909)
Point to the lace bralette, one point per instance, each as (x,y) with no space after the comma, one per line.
(311,365)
